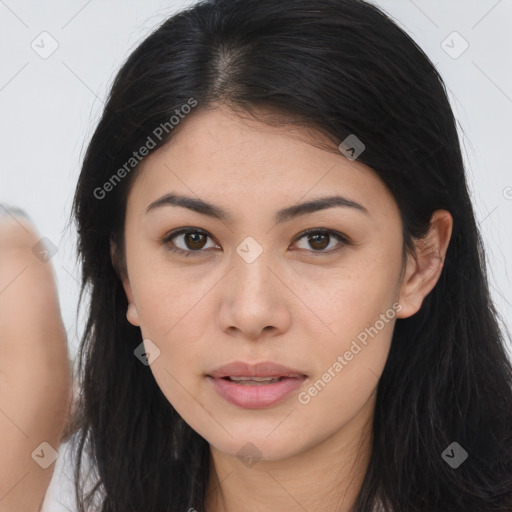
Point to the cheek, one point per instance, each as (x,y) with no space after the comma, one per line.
(349,361)
(173,315)
(168,299)
(357,316)
(348,301)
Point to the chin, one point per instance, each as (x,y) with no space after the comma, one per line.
(253,448)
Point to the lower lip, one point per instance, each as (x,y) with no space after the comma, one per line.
(256,396)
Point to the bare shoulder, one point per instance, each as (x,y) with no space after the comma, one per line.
(35,371)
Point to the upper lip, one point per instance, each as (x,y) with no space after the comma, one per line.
(264,369)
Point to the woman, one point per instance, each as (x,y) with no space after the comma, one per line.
(35,374)
(289,302)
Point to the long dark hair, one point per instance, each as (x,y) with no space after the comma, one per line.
(342,67)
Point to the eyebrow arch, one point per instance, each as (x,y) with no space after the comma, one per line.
(286,214)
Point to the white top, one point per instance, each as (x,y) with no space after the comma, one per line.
(60,495)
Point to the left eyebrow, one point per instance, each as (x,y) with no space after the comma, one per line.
(284,215)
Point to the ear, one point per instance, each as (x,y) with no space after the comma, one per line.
(131,314)
(423,268)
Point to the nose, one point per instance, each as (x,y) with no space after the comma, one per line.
(255,300)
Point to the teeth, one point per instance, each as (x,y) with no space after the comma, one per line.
(258,379)
(264,380)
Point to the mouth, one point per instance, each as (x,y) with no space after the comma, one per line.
(258,381)
(255,386)
(259,372)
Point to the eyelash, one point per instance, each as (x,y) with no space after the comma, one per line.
(323,231)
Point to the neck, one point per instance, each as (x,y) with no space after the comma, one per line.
(326,476)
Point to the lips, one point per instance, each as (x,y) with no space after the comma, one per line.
(256,372)
(256,386)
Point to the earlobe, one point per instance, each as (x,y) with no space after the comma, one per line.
(131,313)
(424,267)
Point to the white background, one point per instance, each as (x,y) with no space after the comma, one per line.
(49,108)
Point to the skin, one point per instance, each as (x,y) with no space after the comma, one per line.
(35,374)
(293,305)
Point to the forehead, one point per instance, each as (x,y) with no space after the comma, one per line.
(244,162)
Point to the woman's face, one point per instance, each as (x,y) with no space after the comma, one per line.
(252,287)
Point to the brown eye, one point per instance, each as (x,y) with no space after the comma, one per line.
(192,241)
(320,239)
